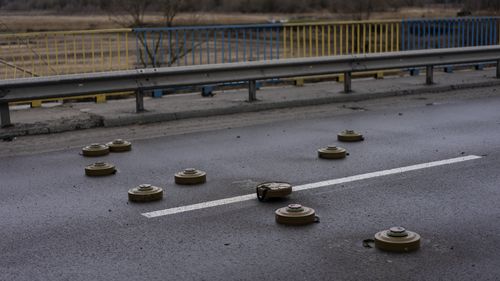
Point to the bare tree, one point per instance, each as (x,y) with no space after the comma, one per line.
(127,13)
(131,13)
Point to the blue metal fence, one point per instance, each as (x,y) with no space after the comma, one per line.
(178,46)
(449,33)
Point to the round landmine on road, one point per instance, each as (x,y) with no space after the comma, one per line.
(332,152)
(119,145)
(100,169)
(145,193)
(296,214)
(350,136)
(190,176)
(95,149)
(397,239)
(273,190)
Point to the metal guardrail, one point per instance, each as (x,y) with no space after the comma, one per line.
(144,79)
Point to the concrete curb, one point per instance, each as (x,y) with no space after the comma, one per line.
(88,121)
(151,117)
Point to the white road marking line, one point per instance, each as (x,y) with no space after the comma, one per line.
(252,196)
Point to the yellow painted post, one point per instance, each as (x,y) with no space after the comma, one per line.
(369,38)
(13,60)
(100,98)
(334,40)
(346,39)
(22,58)
(364,38)
(353,48)
(126,51)
(37,47)
(329,40)
(65,54)
(386,37)
(316,39)
(375,38)
(119,50)
(32,57)
(47,52)
(56,44)
(291,42)
(310,41)
(103,63)
(359,35)
(322,40)
(397,37)
(284,42)
(381,41)
(110,54)
(304,40)
(392,37)
(75,58)
(84,55)
(341,47)
(298,41)
(92,49)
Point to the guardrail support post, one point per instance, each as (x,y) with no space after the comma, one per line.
(347,82)
(252,91)
(429,75)
(5,115)
(139,101)
(498,69)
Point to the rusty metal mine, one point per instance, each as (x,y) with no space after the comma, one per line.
(397,239)
(273,190)
(119,145)
(145,193)
(190,176)
(332,152)
(296,214)
(100,169)
(349,136)
(95,150)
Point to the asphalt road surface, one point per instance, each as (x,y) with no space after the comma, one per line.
(58,224)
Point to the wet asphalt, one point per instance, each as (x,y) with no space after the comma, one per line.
(58,224)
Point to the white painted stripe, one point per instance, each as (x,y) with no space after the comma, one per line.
(252,196)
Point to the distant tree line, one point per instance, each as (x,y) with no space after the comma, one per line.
(248,6)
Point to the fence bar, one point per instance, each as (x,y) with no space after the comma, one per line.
(429,75)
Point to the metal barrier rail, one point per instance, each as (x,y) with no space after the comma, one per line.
(56,53)
(140,80)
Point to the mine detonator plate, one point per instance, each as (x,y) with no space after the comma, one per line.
(95,149)
(332,152)
(190,176)
(100,169)
(119,145)
(397,239)
(296,214)
(273,190)
(350,136)
(145,193)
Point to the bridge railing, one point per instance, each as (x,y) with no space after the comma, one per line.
(57,53)
(144,79)
(181,46)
